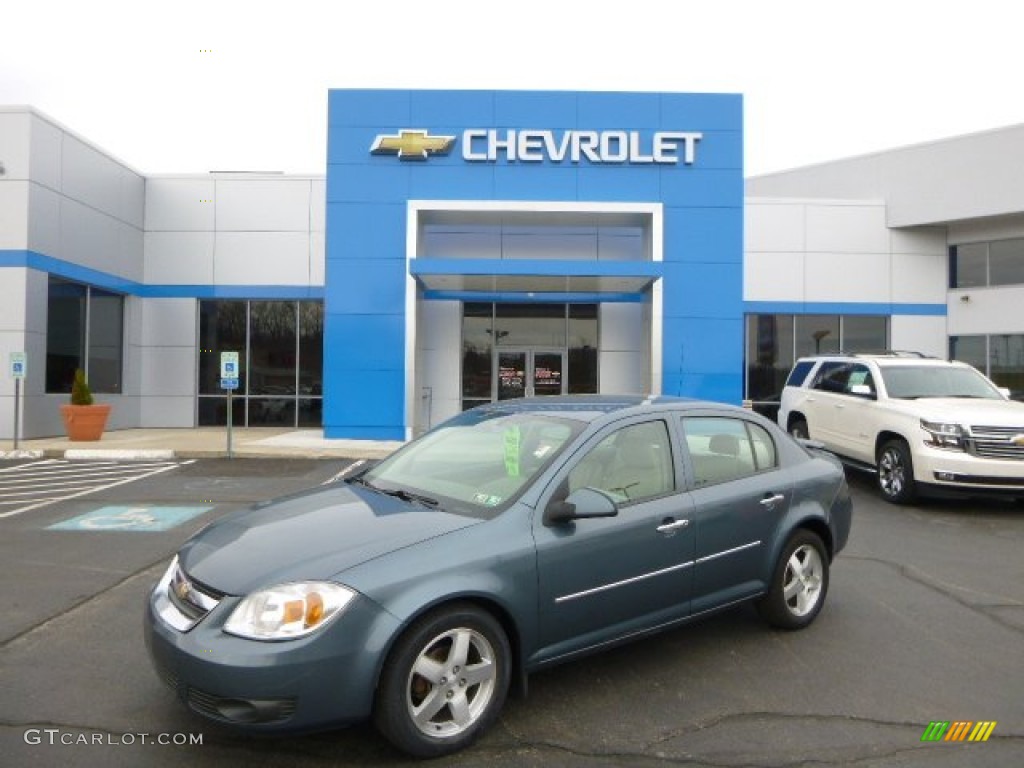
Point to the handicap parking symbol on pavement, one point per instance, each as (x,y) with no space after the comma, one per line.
(137,518)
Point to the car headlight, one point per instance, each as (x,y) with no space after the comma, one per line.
(944,435)
(288,611)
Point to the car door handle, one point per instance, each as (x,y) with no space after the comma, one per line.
(672,525)
(771,501)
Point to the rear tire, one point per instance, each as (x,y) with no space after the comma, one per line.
(799,584)
(896,472)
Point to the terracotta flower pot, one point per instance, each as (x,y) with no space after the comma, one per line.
(85,422)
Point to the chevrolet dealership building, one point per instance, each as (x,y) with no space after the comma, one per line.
(472,246)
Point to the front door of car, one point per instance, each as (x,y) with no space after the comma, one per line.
(740,494)
(601,578)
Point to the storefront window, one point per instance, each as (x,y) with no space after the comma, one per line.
(1006,262)
(977,265)
(84,329)
(280,353)
(774,342)
(583,336)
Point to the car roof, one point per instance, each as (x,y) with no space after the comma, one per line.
(592,407)
(893,359)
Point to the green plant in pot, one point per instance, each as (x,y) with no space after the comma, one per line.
(84,419)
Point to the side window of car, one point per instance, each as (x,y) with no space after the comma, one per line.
(723,449)
(832,377)
(631,464)
(799,373)
(860,376)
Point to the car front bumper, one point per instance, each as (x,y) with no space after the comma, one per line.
(962,470)
(323,680)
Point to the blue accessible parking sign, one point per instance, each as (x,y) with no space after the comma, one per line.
(137,518)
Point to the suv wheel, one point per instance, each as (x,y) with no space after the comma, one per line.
(798,429)
(896,472)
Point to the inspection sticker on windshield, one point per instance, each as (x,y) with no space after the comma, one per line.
(137,518)
(487,499)
(513,442)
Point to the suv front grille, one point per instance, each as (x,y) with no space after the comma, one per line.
(998,442)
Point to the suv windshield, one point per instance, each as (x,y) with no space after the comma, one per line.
(475,464)
(911,382)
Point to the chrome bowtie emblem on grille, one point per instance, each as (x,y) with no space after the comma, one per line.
(182,589)
(412,145)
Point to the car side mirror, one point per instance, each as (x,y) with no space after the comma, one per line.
(581,504)
(1005,392)
(863,390)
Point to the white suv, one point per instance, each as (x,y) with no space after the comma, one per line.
(920,423)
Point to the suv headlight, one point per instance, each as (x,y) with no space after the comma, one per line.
(288,611)
(944,435)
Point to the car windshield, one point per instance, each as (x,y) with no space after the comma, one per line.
(912,382)
(477,463)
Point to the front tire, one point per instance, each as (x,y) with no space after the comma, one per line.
(799,584)
(444,682)
(896,472)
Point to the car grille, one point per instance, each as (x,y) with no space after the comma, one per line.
(998,442)
(192,599)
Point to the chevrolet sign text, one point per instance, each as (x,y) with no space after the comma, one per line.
(664,147)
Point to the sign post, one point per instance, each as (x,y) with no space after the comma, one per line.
(19,366)
(229,382)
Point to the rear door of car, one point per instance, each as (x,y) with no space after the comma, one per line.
(740,494)
(607,577)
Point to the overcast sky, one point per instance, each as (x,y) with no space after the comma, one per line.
(192,86)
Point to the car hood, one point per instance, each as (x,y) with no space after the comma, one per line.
(310,536)
(970,411)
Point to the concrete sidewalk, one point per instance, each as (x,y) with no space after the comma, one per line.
(200,442)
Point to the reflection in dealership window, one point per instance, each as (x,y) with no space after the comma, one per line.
(999,356)
(280,355)
(84,329)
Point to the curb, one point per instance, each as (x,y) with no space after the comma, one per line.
(19,454)
(113,454)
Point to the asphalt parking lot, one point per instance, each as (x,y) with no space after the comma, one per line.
(924,622)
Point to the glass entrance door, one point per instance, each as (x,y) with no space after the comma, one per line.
(529,373)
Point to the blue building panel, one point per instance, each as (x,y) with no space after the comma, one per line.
(370,286)
(367,216)
(363,230)
(553,110)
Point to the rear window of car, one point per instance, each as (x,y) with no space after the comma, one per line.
(799,373)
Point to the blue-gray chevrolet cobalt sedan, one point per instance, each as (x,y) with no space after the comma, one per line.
(515,536)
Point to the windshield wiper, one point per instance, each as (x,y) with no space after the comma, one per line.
(399,493)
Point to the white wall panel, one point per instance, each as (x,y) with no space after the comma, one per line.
(44,220)
(462,245)
(157,412)
(91,177)
(623,372)
(923,240)
(14,202)
(169,371)
(847,228)
(264,205)
(918,278)
(986,310)
(774,226)
(87,237)
(621,327)
(318,205)
(179,258)
(182,204)
(773,276)
(169,322)
(261,258)
(15,132)
(12,303)
(46,152)
(568,246)
(317,259)
(921,334)
(862,277)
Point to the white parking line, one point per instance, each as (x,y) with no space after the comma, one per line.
(65,497)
